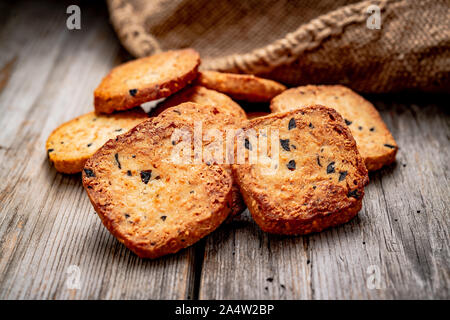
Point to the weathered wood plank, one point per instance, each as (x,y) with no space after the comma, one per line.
(402,231)
(47,223)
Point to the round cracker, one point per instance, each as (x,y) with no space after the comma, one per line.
(149,202)
(203,96)
(241,86)
(146,79)
(72,143)
(318,179)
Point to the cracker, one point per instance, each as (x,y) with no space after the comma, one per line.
(72,143)
(148,201)
(146,79)
(375,142)
(318,181)
(241,86)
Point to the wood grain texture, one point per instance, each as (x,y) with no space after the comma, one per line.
(47,76)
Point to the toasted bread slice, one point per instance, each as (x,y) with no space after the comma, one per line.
(375,142)
(211,117)
(72,143)
(318,180)
(146,79)
(149,196)
(241,86)
(202,96)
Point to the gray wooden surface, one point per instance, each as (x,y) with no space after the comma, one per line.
(47,76)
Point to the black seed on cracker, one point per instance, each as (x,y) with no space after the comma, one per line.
(116,156)
(89,144)
(389,146)
(89,173)
(133,92)
(50,150)
(118,130)
(177,112)
(127,215)
(360,128)
(129,173)
(372,129)
(285,144)
(291,165)
(311,125)
(293,147)
(342,175)
(347,122)
(192,191)
(330,167)
(163,218)
(247,144)
(318,161)
(133,156)
(353,194)
(292,124)
(146,175)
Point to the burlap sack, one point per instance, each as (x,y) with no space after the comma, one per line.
(300,42)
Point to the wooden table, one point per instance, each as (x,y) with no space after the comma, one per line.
(47,76)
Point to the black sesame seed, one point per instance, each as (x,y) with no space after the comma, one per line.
(89,173)
(318,161)
(353,194)
(89,144)
(372,129)
(192,191)
(62,142)
(173,142)
(342,175)
(291,165)
(360,128)
(157,177)
(282,286)
(389,146)
(118,130)
(146,175)
(116,156)
(348,122)
(127,215)
(133,92)
(133,156)
(293,147)
(247,144)
(163,218)
(314,187)
(292,124)
(311,125)
(50,150)
(89,187)
(177,112)
(129,173)
(285,144)
(330,167)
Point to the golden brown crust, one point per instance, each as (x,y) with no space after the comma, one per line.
(211,117)
(319,179)
(202,96)
(146,79)
(151,204)
(241,86)
(375,142)
(72,143)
